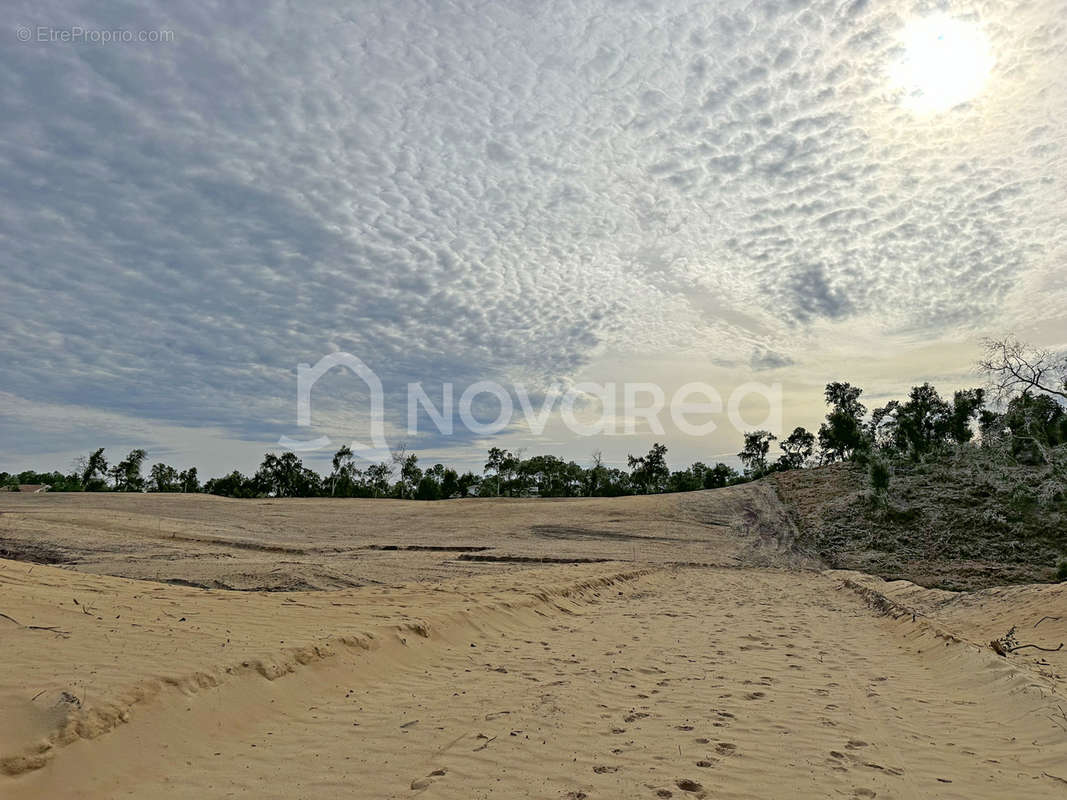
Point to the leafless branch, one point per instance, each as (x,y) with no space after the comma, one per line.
(1015,367)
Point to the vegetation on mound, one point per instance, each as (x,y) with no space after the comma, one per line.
(963,519)
(951,494)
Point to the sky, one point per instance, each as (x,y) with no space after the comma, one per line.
(195,198)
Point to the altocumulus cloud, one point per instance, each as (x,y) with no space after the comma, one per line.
(471,190)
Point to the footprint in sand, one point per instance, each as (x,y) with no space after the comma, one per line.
(687,785)
(754,695)
(424,783)
(602,770)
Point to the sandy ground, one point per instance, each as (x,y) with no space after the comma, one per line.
(429,675)
(578,681)
(216,542)
(1037,612)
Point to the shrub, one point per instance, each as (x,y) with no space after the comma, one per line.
(880,475)
(1061,571)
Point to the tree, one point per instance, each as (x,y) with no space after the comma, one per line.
(686,480)
(343,467)
(188,480)
(595,475)
(126,475)
(882,429)
(377,476)
(551,476)
(55,480)
(286,476)
(842,434)
(650,471)
(516,481)
(94,471)
(163,478)
(966,406)
(754,454)
(923,421)
(797,448)
(1014,367)
(1036,422)
(233,485)
(495,465)
(428,488)
(466,482)
(449,483)
(437,483)
(719,476)
(410,475)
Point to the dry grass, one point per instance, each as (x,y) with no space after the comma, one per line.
(965,521)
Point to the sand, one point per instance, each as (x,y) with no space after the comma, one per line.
(217,542)
(594,680)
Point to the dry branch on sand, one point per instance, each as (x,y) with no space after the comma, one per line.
(1009,644)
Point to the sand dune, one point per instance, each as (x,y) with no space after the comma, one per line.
(577,681)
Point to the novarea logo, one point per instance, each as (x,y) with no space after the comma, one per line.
(607,409)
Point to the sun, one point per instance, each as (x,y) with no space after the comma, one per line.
(946,61)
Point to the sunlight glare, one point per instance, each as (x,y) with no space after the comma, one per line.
(946,62)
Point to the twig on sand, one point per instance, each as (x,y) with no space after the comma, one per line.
(1054,619)
(51,628)
(1038,647)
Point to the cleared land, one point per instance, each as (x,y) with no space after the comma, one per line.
(216,542)
(627,678)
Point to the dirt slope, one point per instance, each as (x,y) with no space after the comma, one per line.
(964,522)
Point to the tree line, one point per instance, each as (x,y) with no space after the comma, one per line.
(1028,387)
(505,473)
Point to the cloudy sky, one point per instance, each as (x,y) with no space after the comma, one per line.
(541,193)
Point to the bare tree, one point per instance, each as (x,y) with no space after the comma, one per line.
(1015,367)
(397,455)
(595,473)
